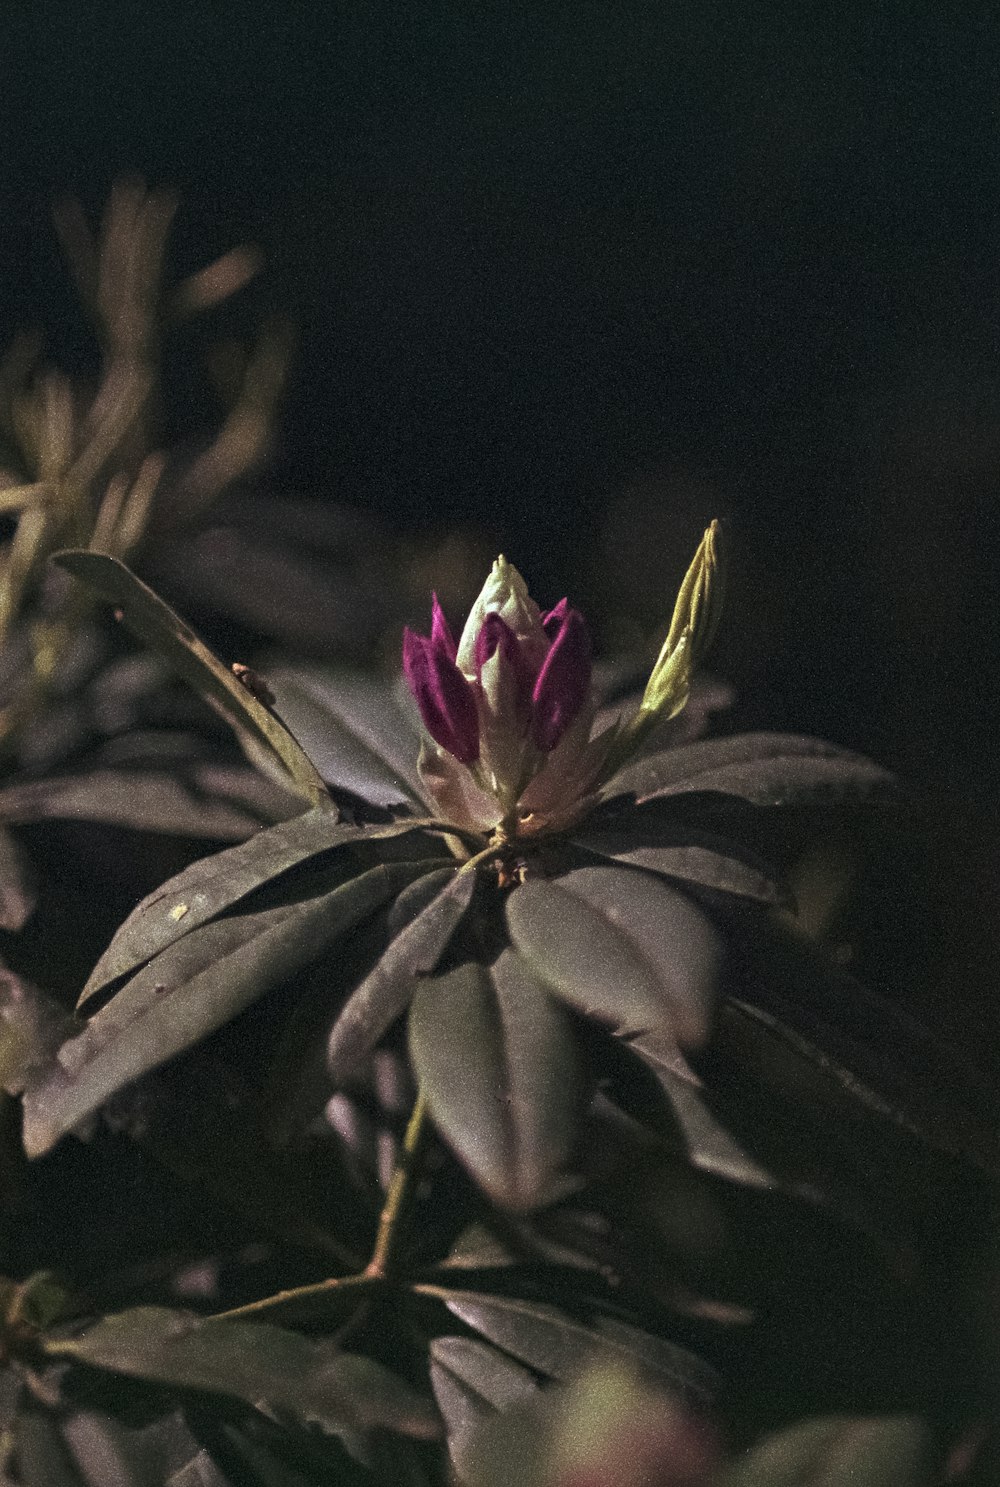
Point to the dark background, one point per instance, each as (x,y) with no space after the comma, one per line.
(582,276)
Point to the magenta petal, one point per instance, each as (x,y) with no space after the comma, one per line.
(496,635)
(441,630)
(554,619)
(446,700)
(563,683)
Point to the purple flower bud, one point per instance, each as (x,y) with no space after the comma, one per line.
(446,700)
(563,683)
(553,620)
(441,635)
(496,635)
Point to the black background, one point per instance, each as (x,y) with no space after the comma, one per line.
(582,276)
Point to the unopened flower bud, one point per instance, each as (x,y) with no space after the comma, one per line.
(504,593)
(445,698)
(692,629)
(563,683)
(509,708)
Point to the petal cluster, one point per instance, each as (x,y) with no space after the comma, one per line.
(502,698)
(509,707)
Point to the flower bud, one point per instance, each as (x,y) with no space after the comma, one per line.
(563,683)
(695,620)
(504,593)
(510,711)
(445,698)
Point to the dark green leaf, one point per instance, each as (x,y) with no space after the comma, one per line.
(495,1058)
(266,742)
(690,855)
(621,946)
(17,880)
(202,801)
(210,886)
(701,1134)
(883,1058)
(262,1365)
(196,985)
(756,1120)
(473,1381)
(767,769)
(840,1451)
(244,1448)
(107,1453)
(439,902)
(352,726)
(43,1458)
(555,1344)
(844,1090)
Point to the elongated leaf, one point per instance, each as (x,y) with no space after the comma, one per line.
(210,886)
(764,768)
(137,799)
(840,1451)
(353,728)
(213,885)
(43,1458)
(107,1453)
(691,856)
(311,1381)
(266,742)
(622,946)
(555,1344)
(846,1083)
(495,1058)
(881,1056)
(702,1135)
(473,1382)
(194,987)
(746,1125)
(414,951)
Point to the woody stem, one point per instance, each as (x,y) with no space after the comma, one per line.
(392,1217)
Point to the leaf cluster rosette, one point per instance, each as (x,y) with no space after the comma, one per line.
(539,865)
(554,915)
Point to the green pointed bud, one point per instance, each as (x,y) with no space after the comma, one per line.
(692,630)
(694,623)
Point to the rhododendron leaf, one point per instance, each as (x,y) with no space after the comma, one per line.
(355,730)
(690,855)
(742,1123)
(214,884)
(495,1057)
(312,1381)
(555,1344)
(265,740)
(197,800)
(472,1383)
(621,946)
(769,769)
(195,986)
(414,950)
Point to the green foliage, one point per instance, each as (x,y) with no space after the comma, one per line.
(492,1156)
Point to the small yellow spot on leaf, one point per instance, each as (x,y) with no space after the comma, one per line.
(178,911)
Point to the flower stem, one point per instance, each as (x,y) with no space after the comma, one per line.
(392,1217)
